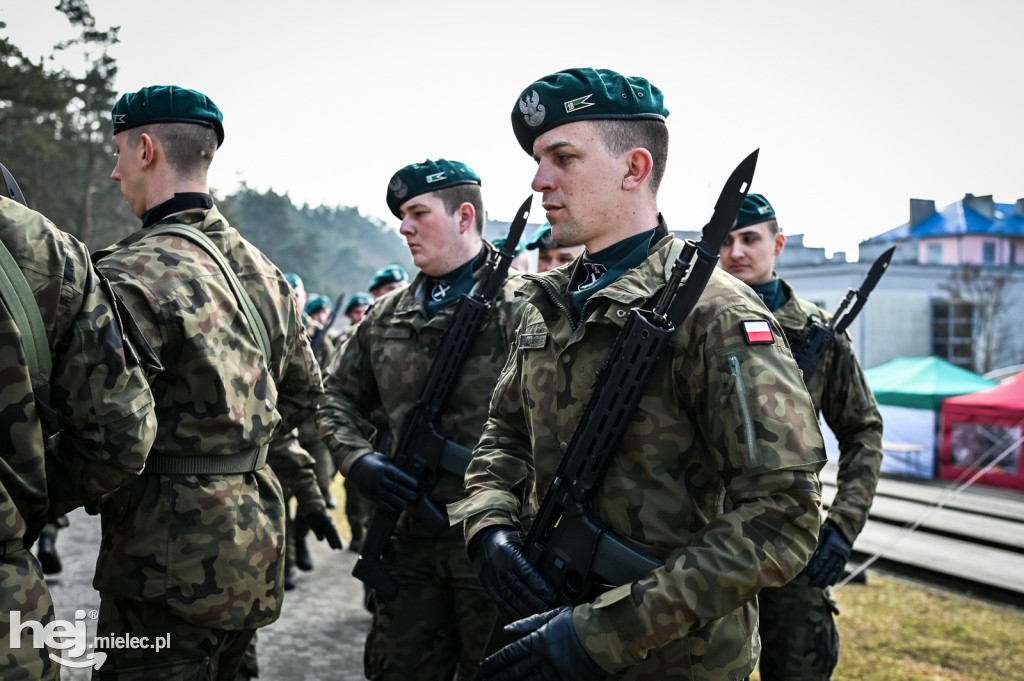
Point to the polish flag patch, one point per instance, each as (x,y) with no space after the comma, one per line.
(758,332)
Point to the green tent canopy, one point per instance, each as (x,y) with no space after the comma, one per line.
(922,382)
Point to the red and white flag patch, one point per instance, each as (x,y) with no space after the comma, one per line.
(758,332)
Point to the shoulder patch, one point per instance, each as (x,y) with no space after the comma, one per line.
(532,341)
(758,332)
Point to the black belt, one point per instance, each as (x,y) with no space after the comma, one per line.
(203,464)
(11,546)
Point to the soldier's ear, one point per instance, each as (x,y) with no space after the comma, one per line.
(467,217)
(639,164)
(146,149)
(780,243)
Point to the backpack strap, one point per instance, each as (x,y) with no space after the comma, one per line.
(244,301)
(19,300)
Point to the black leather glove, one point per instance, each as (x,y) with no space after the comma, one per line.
(515,585)
(829,559)
(549,650)
(323,528)
(383,483)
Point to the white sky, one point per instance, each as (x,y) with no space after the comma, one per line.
(856,106)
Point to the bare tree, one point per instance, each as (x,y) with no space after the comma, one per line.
(987,290)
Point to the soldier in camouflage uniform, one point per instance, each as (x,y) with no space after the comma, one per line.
(194,547)
(550,253)
(717,476)
(437,625)
(798,633)
(98,399)
(358,508)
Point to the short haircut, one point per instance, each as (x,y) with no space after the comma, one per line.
(453,197)
(773,226)
(621,135)
(189,148)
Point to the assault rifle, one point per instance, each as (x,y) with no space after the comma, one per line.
(318,337)
(568,542)
(422,451)
(813,347)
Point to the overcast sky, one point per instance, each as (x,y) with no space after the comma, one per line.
(856,106)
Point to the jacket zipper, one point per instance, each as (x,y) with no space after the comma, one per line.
(748,422)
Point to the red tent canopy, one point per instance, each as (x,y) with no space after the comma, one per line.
(978,427)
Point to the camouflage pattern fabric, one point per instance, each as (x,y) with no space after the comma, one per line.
(102,406)
(412,637)
(188,652)
(800,639)
(208,548)
(718,477)
(309,436)
(296,470)
(382,367)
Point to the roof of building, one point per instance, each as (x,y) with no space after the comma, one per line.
(967,216)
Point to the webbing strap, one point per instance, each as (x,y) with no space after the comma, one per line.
(11,546)
(206,464)
(245,303)
(18,298)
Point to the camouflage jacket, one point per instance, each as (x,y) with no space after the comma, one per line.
(98,393)
(841,393)
(718,475)
(207,547)
(384,364)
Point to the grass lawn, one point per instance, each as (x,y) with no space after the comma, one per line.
(895,630)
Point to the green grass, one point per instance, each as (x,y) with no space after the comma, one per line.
(895,630)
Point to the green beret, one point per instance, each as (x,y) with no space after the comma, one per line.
(582,94)
(429,176)
(542,239)
(167,104)
(499,243)
(388,275)
(293,279)
(357,300)
(317,302)
(755,209)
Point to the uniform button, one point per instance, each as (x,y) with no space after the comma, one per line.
(566,358)
(564,446)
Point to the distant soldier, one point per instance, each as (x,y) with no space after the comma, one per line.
(387,279)
(437,625)
(194,548)
(799,638)
(93,393)
(550,253)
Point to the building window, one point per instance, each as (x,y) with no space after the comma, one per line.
(988,252)
(953,331)
(934,254)
(1013,253)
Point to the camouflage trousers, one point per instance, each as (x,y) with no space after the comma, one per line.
(188,652)
(799,639)
(438,624)
(23,591)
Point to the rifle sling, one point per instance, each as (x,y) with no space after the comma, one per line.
(455,458)
(619,562)
(245,304)
(21,303)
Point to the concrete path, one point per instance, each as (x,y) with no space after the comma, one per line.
(319,636)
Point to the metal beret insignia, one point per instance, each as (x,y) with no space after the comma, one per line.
(533,110)
(397,187)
